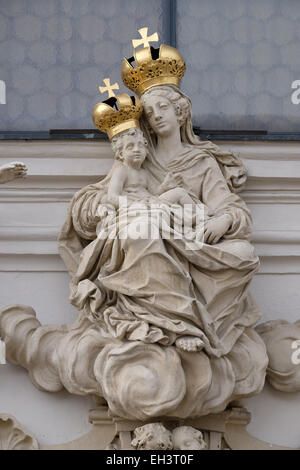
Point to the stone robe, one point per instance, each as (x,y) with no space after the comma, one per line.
(156,290)
(142,294)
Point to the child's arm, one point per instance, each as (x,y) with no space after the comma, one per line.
(116,185)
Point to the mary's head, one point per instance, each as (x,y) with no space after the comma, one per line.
(167,109)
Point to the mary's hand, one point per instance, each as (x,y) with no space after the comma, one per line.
(215,228)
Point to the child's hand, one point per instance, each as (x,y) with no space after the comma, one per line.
(114,201)
(171,181)
(105,209)
(11,171)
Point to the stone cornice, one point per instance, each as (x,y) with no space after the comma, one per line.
(90,160)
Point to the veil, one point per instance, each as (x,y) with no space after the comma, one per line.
(230,164)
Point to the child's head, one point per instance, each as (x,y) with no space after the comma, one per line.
(188,438)
(130,147)
(152,436)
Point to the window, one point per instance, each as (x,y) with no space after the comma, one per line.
(242,58)
(55,54)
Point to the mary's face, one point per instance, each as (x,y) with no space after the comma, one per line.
(160,114)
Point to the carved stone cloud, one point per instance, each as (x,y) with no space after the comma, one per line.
(282,340)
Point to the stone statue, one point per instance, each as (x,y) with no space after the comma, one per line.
(128,179)
(163,330)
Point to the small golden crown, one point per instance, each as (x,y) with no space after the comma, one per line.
(153,67)
(117,113)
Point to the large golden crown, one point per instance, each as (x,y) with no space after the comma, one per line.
(117,113)
(153,67)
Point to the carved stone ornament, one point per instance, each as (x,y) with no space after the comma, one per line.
(13,436)
(155,436)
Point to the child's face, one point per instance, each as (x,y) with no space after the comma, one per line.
(134,150)
(188,440)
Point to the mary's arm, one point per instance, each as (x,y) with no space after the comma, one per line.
(83,213)
(217,196)
(80,225)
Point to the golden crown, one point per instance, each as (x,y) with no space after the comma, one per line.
(117,113)
(153,67)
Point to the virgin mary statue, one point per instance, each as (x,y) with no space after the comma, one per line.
(162,330)
(155,301)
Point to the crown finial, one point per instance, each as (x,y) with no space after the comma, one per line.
(109,88)
(145,39)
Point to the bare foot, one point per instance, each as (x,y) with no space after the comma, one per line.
(189,343)
(11,171)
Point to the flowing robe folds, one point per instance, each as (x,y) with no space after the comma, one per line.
(145,293)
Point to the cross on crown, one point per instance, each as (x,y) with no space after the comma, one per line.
(109,88)
(145,38)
